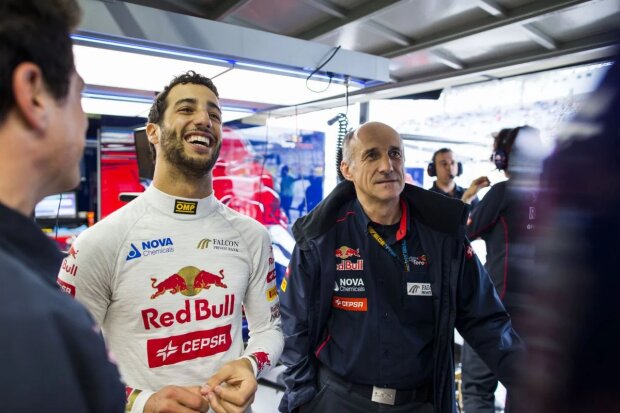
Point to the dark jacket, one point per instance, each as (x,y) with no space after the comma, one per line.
(476,310)
(505,220)
(53,358)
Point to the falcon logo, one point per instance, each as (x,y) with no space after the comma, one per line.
(420,289)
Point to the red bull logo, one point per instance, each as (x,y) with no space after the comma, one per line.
(69,268)
(197,310)
(262,360)
(189,281)
(345,252)
(72,252)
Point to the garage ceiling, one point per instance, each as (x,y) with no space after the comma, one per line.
(430,44)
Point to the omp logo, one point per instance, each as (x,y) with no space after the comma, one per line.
(153,247)
(350,304)
(420,289)
(185,207)
(203,244)
(350,285)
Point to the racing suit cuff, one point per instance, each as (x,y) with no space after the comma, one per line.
(137,400)
(252,362)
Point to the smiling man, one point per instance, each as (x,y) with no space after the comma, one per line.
(168,274)
(380,276)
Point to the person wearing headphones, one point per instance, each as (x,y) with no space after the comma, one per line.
(506,220)
(445,168)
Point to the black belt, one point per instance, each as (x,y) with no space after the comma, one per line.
(402,396)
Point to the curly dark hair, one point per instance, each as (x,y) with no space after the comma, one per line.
(38,32)
(160,103)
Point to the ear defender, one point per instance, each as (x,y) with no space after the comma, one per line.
(431,171)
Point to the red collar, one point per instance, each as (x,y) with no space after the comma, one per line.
(402,227)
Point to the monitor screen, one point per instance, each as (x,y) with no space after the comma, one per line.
(146,166)
(60,205)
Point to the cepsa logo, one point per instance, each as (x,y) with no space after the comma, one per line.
(152,247)
(350,304)
(66,287)
(185,207)
(190,346)
(189,281)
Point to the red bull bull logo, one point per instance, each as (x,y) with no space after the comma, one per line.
(262,360)
(72,252)
(189,281)
(345,252)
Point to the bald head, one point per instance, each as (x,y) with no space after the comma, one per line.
(369,130)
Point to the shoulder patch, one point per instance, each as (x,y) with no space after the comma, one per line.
(469,252)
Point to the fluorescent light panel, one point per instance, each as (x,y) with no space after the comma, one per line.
(247,85)
(105,67)
(137,107)
(130,70)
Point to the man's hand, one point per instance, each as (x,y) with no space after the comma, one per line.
(476,185)
(176,399)
(232,388)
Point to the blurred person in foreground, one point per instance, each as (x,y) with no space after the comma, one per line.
(380,276)
(52,355)
(573,321)
(446,168)
(506,220)
(168,275)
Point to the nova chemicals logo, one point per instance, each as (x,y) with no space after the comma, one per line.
(134,253)
(149,248)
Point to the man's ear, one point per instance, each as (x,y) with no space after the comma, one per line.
(32,99)
(344,169)
(152,132)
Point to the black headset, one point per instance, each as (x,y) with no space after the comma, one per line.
(504,141)
(431,170)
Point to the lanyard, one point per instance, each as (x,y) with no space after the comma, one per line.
(375,235)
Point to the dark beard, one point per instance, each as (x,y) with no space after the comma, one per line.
(173,151)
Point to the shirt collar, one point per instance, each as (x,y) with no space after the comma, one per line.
(179,207)
(404,223)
